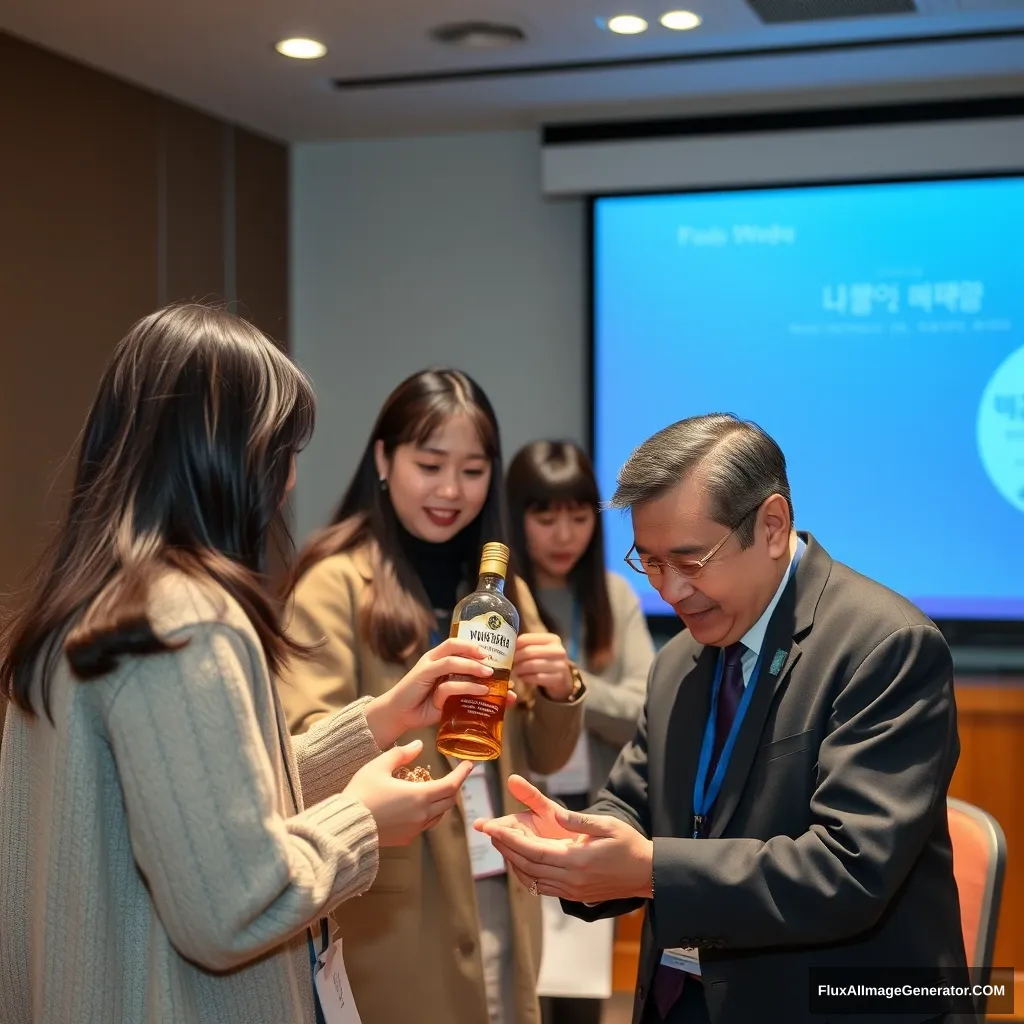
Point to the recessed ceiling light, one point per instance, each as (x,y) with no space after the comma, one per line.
(478,35)
(627,24)
(680,21)
(301,49)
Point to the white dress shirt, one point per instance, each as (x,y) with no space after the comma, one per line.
(753,639)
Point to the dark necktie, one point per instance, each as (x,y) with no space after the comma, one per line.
(667,985)
(729,695)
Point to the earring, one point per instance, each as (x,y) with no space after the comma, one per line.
(383,483)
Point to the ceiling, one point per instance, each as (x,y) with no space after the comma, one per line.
(383,74)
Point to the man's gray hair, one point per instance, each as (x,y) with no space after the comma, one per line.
(738,464)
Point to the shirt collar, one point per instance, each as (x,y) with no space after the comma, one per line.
(754,637)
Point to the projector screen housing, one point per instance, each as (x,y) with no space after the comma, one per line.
(891,142)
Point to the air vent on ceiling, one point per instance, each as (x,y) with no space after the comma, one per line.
(478,35)
(777,12)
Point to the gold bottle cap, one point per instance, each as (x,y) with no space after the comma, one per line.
(494,559)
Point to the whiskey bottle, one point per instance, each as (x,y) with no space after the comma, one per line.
(471,726)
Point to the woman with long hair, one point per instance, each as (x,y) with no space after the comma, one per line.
(167,853)
(558,541)
(559,545)
(373,587)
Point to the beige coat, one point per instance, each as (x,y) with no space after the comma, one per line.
(411,944)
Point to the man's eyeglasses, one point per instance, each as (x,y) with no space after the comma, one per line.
(688,569)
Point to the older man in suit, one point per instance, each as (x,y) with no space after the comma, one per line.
(781,811)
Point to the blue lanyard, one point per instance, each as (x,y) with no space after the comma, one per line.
(312,967)
(705,794)
(575,633)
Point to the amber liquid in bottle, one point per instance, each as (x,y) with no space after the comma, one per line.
(471,726)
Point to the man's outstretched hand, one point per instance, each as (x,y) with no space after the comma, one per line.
(587,858)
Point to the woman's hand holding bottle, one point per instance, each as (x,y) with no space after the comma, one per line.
(401,808)
(416,700)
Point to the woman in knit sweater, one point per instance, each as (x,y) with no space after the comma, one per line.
(166,851)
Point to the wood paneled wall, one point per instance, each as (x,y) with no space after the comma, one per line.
(113,201)
(990,774)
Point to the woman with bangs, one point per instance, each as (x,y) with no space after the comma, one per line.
(558,542)
(167,853)
(446,935)
(559,546)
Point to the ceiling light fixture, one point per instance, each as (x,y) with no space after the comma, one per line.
(627,24)
(680,21)
(301,49)
(478,35)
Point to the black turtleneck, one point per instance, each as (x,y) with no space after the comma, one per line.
(444,569)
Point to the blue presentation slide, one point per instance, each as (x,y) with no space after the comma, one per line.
(873,330)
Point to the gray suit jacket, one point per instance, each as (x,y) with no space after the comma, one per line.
(828,845)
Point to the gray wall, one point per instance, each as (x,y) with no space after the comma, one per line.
(415,252)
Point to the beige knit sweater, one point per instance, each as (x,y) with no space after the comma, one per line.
(156,862)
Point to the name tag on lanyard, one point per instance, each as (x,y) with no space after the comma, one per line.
(476,803)
(335,1003)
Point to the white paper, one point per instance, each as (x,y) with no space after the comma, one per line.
(682,959)
(333,988)
(476,803)
(577,955)
(574,777)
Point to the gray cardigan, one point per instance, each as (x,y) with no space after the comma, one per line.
(156,862)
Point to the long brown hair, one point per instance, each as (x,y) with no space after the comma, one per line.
(542,476)
(397,619)
(183,463)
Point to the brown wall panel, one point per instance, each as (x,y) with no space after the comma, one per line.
(258,274)
(192,215)
(78,260)
(261,233)
(112,202)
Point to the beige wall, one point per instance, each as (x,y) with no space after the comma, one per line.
(433,251)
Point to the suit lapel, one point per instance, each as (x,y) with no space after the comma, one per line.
(793,616)
(684,730)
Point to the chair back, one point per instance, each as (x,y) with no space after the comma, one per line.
(979,866)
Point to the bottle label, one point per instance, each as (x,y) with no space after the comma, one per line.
(493,635)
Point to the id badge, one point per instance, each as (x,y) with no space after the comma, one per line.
(682,959)
(333,989)
(476,803)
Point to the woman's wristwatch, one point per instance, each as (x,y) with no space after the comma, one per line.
(578,687)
